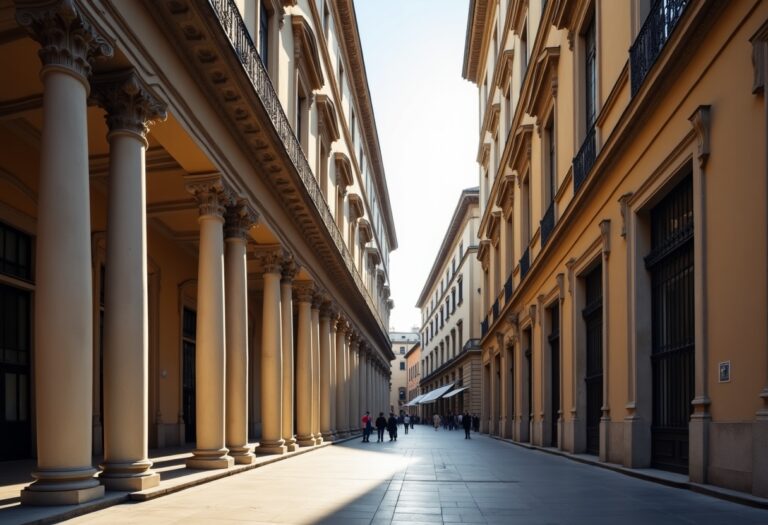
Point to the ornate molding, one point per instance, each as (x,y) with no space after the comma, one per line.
(701,120)
(303,291)
(68,40)
(305,52)
(605,236)
(570,263)
(130,104)
(624,209)
(240,217)
(532,313)
(212,193)
(289,269)
(560,278)
(271,260)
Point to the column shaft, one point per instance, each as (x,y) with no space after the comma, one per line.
(315,371)
(332,370)
(210,349)
(239,219)
(304,368)
(63,299)
(341,426)
(325,376)
(271,360)
(126,323)
(286,314)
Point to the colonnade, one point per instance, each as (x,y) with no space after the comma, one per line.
(337,373)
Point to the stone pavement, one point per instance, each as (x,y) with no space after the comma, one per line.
(431,477)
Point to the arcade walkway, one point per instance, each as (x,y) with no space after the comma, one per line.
(430,477)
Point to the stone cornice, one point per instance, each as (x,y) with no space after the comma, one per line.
(469,198)
(356,206)
(305,52)
(344,174)
(347,21)
(477,19)
(543,81)
(327,119)
(364,229)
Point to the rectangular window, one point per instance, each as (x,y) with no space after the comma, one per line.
(551,162)
(341,77)
(590,71)
(15,253)
(524,51)
(326,19)
(352,126)
(461,291)
(402,350)
(402,365)
(264,34)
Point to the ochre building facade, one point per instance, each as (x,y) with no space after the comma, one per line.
(624,218)
(450,304)
(195,229)
(402,343)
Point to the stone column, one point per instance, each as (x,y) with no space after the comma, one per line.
(341,412)
(239,220)
(304,293)
(315,371)
(333,322)
(63,293)
(348,428)
(326,429)
(210,359)
(271,356)
(354,397)
(130,108)
(288,350)
(362,357)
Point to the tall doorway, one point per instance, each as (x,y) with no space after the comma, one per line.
(593,321)
(15,344)
(670,264)
(554,372)
(189,335)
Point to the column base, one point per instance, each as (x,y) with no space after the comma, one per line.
(30,496)
(306,440)
(242,455)
(293,447)
(318,439)
(210,459)
(62,486)
(327,436)
(265,449)
(131,483)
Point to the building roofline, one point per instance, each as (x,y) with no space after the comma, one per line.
(468,197)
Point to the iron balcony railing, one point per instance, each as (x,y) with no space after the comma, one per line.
(508,289)
(495,310)
(484,327)
(547,223)
(232,23)
(658,26)
(525,263)
(584,159)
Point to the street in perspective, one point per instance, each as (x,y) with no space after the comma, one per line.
(384,261)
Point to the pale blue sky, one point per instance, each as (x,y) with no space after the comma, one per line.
(427,121)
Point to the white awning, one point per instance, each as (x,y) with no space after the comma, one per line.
(454,392)
(436,394)
(415,400)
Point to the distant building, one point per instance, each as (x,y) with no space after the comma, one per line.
(402,342)
(450,315)
(413,369)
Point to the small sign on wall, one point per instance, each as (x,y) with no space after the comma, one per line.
(724,372)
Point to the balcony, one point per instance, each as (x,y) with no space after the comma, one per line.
(547,223)
(508,289)
(652,37)
(584,160)
(525,263)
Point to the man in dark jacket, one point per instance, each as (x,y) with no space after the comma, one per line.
(466,422)
(381,424)
(392,427)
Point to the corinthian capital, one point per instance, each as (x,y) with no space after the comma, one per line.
(67,39)
(270,260)
(239,219)
(304,291)
(130,104)
(211,192)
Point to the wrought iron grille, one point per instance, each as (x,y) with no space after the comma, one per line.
(508,289)
(584,159)
(525,263)
(672,315)
(593,320)
(658,26)
(547,223)
(238,35)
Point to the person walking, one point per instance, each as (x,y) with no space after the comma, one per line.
(436,421)
(412,421)
(381,424)
(392,427)
(476,423)
(367,427)
(406,422)
(466,421)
